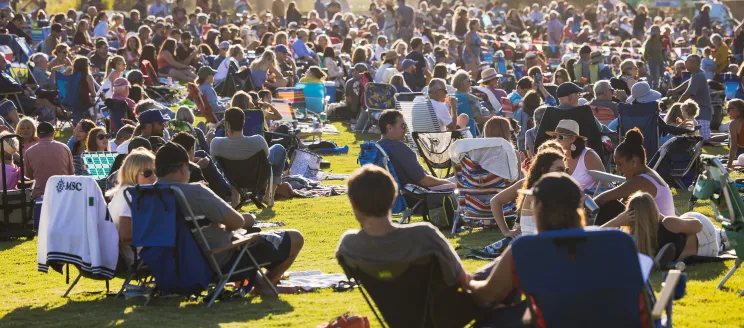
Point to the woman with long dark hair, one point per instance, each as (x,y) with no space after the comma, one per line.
(133,50)
(168,66)
(150,54)
(293,15)
(79,145)
(267,40)
(87,89)
(97,140)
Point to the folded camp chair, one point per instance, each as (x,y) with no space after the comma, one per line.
(715,183)
(84,237)
(401,206)
(463,107)
(201,102)
(483,168)
(676,158)
(174,248)
(595,280)
(252,174)
(433,147)
(411,294)
(377,98)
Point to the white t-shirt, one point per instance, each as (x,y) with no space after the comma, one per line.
(112,145)
(221,74)
(442,111)
(119,207)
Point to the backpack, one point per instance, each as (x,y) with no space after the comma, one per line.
(169,250)
(371,154)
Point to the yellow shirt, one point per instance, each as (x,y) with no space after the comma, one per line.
(721,57)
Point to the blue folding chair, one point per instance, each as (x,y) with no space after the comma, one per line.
(463,107)
(315,96)
(595,280)
(68,86)
(645,117)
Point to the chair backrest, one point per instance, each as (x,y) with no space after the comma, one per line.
(582,115)
(603,114)
(407,96)
(434,148)
(412,294)
(373,153)
(379,96)
(252,173)
(294,96)
(193,93)
(463,107)
(254,123)
(595,278)
(98,164)
(169,249)
(314,96)
(419,115)
(645,117)
(284,107)
(149,75)
(677,156)
(69,88)
(506,107)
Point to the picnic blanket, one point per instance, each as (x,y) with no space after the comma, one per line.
(325,129)
(315,279)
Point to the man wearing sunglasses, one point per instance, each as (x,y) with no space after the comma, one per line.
(277,247)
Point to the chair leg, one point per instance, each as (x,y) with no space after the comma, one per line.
(74,282)
(20,106)
(218,289)
(263,275)
(454,223)
(730,273)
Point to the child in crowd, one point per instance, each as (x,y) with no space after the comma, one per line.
(708,65)
(12,172)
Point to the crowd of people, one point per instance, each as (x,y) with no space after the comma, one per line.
(507,65)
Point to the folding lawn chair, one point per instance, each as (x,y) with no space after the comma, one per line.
(419,115)
(646,118)
(252,174)
(483,168)
(196,96)
(411,294)
(315,97)
(676,158)
(715,184)
(17,205)
(68,87)
(84,237)
(295,97)
(603,114)
(377,98)
(463,107)
(433,147)
(597,279)
(174,248)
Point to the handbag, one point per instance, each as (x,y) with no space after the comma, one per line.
(440,209)
(305,164)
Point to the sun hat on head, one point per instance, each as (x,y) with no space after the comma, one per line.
(121,82)
(569,127)
(596,57)
(489,74)
(642,93)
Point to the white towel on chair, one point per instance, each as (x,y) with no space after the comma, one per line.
(495,155)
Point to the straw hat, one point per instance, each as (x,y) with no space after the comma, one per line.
(566,127)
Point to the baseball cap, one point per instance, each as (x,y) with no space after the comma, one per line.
(205,71)
(44,129)
(224,45)
(407,63)
(281,48)
(566,89)
(152,116)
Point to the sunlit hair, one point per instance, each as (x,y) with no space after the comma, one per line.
(136,162)
(645,225)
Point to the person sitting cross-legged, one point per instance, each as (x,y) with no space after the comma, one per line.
(277,247)
(236,146)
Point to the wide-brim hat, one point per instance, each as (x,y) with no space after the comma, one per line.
(642,92)
(569,127)
(596,57)
(488,75)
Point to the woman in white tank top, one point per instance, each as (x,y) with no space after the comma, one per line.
(630,160)
(579,158)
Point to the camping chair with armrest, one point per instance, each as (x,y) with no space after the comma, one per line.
(69,90)
(17,205)
(255,124)
(252,174)
(603,114)
(377,98)
(419,117)
(433,147)
(20,75)
(483,168)
(676,158)
(597,279)
(645,118)
(588,128)
(411,294)
(167,231)
(200,101)
(715,184)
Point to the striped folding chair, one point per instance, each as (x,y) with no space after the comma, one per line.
(295,97)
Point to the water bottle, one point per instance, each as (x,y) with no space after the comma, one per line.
(323,118)
(315,123)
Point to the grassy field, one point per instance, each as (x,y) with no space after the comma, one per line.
(33,298)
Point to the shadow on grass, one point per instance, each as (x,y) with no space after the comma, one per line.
(160,312)
(10,244)
(266,214)
(705,270)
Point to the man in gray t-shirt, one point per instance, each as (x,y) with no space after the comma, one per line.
(697,90)
(279,248)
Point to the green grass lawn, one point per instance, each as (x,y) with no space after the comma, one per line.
(32,298)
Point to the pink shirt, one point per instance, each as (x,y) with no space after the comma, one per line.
(12,175)
(45,159)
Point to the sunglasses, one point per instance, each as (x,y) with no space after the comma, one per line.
(562,137)
(102,136)
(147,173)
(563,169)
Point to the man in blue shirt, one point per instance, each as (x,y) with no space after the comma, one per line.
(158,9)
(406,17)
(300,49)
(320,8)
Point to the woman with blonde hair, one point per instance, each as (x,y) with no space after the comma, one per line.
(628,74)
(26,128)
(497,127)
(265,72)
(138,169)
(115,67)
(97,140)
(692,234)
(63,59)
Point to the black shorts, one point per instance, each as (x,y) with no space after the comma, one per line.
(263,252)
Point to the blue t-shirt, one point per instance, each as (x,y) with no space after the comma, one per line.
(405,162)
(700,92)
(407,13)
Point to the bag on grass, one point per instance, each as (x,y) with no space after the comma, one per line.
(347,320)
(305,164)
(439,209)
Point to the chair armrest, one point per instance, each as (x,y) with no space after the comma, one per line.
(667,291)
(238,243)
(605,177)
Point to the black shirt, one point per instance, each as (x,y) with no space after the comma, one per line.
(98,62)
(738,46)
(420,65)
(157,41)
(183,53)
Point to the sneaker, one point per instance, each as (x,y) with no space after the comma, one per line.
(725,243)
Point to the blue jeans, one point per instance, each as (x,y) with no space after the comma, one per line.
(217,181)
(277,158)
(655,70)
